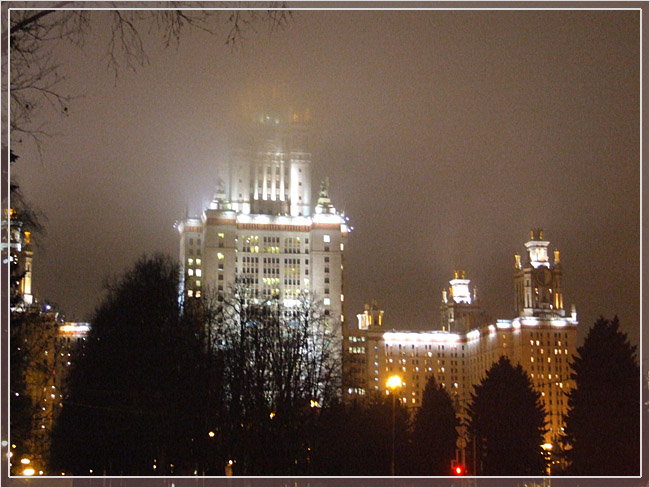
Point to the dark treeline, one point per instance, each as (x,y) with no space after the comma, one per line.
(228,385)
(222,384)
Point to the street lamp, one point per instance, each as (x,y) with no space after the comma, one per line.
(393,383)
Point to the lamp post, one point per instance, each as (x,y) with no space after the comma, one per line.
(393,383)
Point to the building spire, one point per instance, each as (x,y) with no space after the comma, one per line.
(324,204)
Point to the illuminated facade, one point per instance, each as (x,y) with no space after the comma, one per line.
(542,338)
(18,252)
(262,229)
(47,347)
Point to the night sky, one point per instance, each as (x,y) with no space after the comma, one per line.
(446,135)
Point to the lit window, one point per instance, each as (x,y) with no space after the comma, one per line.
(198,272)
(198,262)
(190,272)
(326,238)
(190,293)
(219,255)
(190,261)
(326,301)
(342,247)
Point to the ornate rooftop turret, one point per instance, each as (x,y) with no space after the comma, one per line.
(324,204)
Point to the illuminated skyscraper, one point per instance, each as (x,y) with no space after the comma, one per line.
(261,227)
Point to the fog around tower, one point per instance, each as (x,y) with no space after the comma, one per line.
(446,137)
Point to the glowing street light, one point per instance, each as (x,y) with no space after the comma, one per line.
(393,383)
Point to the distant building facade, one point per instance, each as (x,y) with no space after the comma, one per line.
(541,337)
(18,253)
(263,228)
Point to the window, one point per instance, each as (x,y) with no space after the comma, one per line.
(198,272)
(326,301)
(326,238)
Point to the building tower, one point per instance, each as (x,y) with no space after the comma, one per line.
(261,229)
(460,311)
(538,283)
(18,252)
(271,172)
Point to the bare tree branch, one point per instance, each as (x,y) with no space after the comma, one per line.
(35,72)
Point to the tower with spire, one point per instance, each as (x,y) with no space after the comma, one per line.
(460,310)
(537,280)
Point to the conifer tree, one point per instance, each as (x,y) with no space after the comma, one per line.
(507,422)
(602,426)
(434,432)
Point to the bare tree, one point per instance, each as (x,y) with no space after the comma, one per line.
(35,73)
(280,366)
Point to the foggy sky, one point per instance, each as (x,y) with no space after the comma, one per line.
(446,135)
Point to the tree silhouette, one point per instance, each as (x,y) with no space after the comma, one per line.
(602,425)
(137,402)
(356,440)
(507,422)
(434,432)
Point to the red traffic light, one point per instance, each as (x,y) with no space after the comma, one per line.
(458,470)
